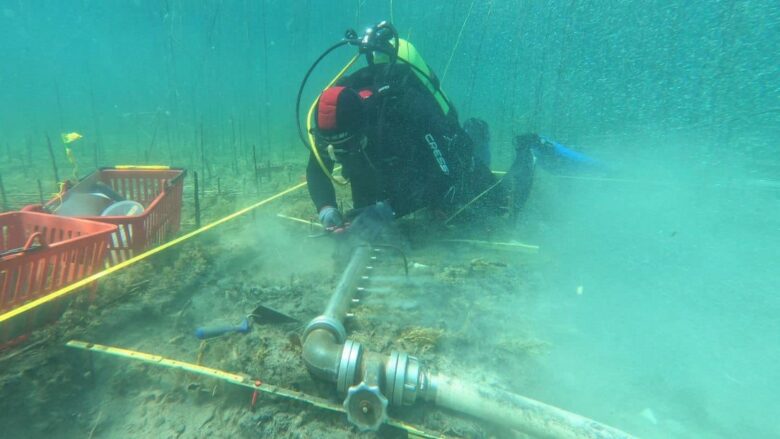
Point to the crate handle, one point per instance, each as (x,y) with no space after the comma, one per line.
(172,182)
(28,246)
(31,240)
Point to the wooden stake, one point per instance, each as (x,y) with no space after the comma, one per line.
(59,105)
(95,123)
(53,160)
(234,146)
(254,161)
(40,191)
(197,201)
(205,168)
(168,140)
(2,194)
(264,101)
(27,162)
(153,143)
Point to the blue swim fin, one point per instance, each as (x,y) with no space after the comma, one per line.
(557,158)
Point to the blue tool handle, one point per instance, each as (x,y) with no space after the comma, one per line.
(215,331)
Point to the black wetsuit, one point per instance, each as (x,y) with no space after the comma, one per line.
(416,155)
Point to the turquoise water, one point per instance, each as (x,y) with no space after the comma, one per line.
(675,332)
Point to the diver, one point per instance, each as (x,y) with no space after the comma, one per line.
(401,147)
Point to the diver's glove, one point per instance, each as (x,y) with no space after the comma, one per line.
(330,218)
(371,220)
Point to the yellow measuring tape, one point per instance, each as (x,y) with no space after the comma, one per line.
(239,379)
(157,359)
(143,167)
(87,280)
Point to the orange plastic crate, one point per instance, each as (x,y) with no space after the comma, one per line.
(41,253)
(158,190)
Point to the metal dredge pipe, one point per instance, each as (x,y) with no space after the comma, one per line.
(404,380)
(518,412)
(342,296)
(324,336)
(321,354)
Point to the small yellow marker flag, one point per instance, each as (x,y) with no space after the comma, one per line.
(70,137)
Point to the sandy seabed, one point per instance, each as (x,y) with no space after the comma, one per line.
(460,310)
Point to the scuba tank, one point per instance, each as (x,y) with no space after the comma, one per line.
(408,54)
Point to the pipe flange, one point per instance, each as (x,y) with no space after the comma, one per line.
(329,324)
(351,355)
(402,378)
(366,407)
(411,383)
(391,368)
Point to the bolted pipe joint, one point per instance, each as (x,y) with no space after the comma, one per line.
(406,379)
(330,324)
(322,348)
(321,352)
(349,364)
